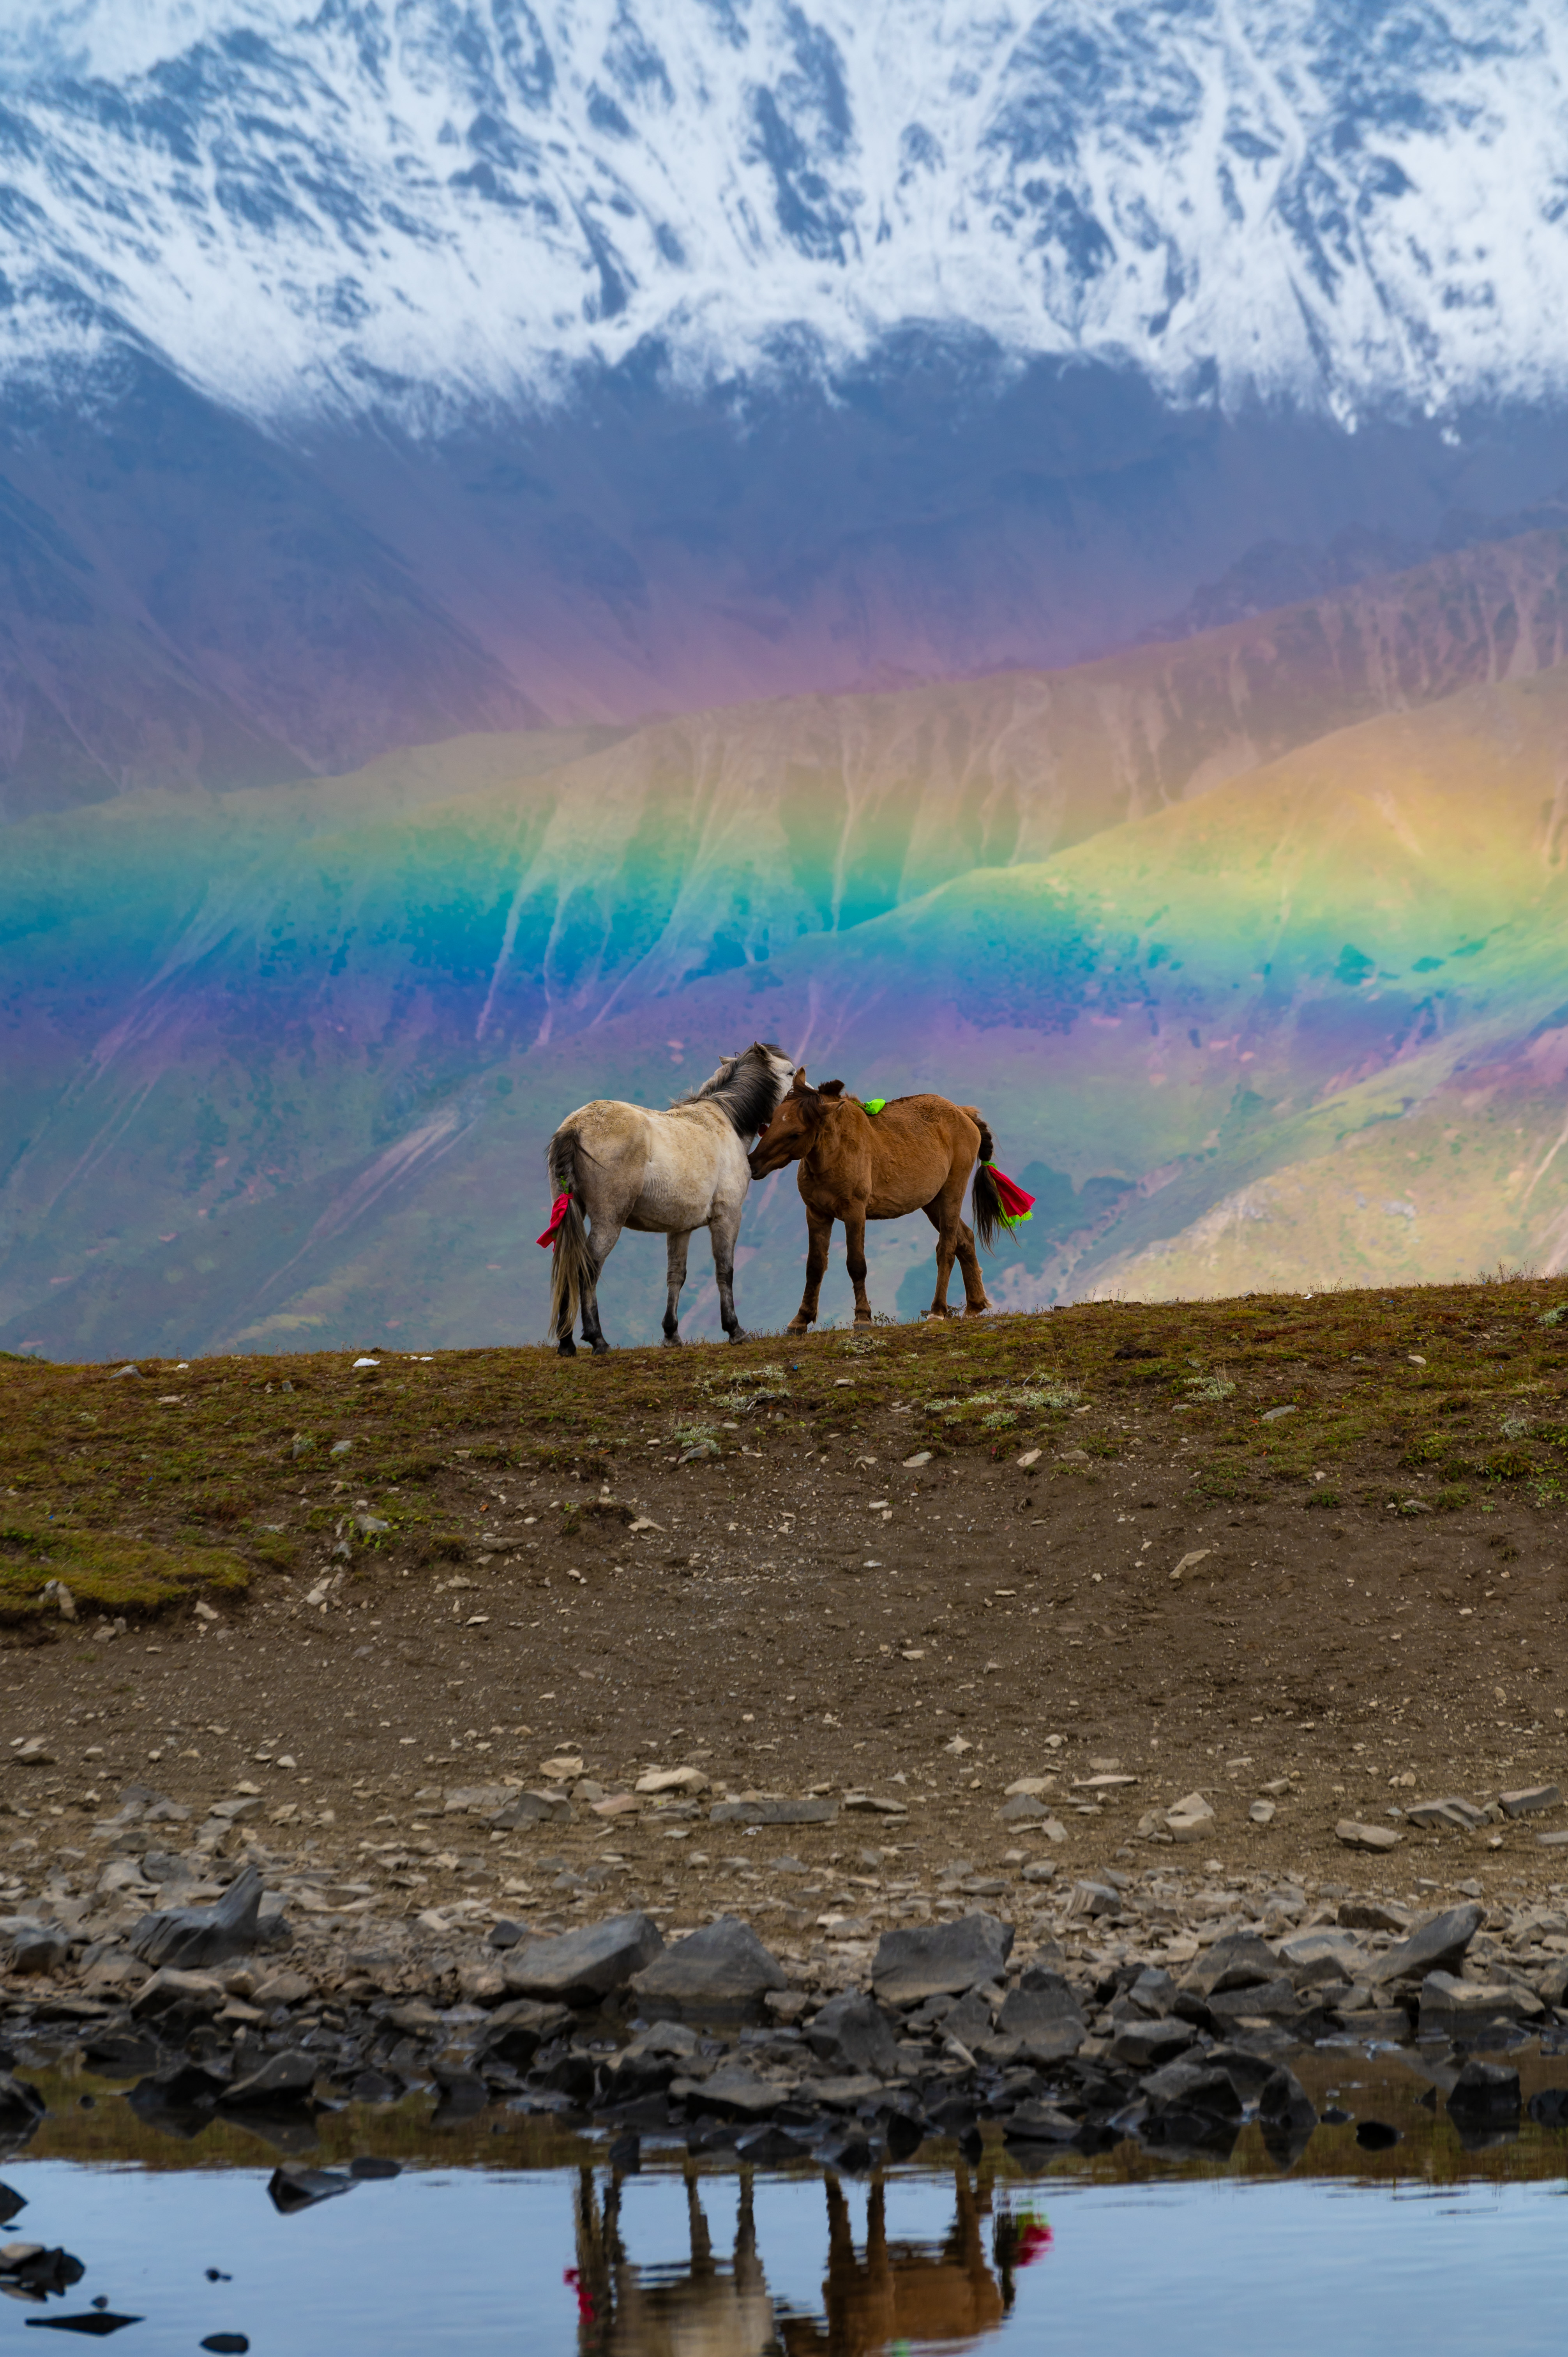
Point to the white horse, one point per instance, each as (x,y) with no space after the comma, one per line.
(667,1173)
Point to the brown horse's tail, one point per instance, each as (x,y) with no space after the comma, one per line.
(986,1205)
(570,1265)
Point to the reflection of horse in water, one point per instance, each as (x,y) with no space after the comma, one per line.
(898,2291)
(709,2311)
(895,2291)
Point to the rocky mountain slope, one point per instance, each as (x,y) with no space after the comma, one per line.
(283,1062)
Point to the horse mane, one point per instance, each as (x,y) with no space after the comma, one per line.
(746,1086)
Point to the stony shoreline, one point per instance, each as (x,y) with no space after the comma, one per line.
(1164,2005)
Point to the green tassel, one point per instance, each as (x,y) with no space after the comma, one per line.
(875,1105)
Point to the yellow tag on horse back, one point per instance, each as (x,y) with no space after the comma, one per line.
(875,1105)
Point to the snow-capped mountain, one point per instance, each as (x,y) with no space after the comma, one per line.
(377,369)
(406,204)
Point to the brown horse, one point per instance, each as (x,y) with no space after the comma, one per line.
(914,1154)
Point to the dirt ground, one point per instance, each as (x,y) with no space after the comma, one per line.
(1111,1554)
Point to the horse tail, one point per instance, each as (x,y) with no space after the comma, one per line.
(986,1204)
(986,1207)
(570,1266)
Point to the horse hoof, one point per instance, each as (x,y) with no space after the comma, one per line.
(601,1349)
(568,1349)
(673,1341)
(739,1334)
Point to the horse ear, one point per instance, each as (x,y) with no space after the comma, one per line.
(798,1088)
(830,1089)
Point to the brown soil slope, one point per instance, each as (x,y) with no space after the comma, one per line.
(460,1567)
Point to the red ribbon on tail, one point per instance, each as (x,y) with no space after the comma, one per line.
(1016,1204)
(558,1211)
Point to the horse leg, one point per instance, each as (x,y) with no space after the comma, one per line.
(855,1261)
(946,1244)
(678,1245)
(603,1237)
(724,1228)
(975,1296)
(819,1233)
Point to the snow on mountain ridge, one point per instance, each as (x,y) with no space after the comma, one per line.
(424,204)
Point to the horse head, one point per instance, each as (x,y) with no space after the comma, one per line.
(792,1132)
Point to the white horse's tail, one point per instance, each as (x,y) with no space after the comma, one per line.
(570,1265)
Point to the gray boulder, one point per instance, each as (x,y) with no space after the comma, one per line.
(175,1992)
(940,1959)
(187,1939)
(1437,1946)
(1240,1960)
(1260,2001)
(723,1968)
(1148,2045)
(1043,2015)
(580,1967)
(1324,1955)
(851,2033)
(31,1946)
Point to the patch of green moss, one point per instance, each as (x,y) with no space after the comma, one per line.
(107,1574)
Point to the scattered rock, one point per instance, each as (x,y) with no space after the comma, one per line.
(940,1959)
(754,1810)
(673,1779)
(1359,1836)
(171,1991)
(733,2092)
(1187,1819)
(852,2034)
(871,1804)
(1146,2045)
(581,1966)
(1023,1808)
(1240,1960)
(1449,2003)
(532,1809)
(1373,1915)
(33,1947)
(1437,1945)
(1462,1814)
(475,1800)
(34,1753)
(1261,1813)
(1323,1954)
(189,1937)
(723,1968)
(1532,1797)
(283,1988)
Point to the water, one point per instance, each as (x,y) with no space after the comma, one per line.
(524,2241)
